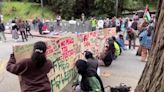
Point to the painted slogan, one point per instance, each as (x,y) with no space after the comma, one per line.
(64,51)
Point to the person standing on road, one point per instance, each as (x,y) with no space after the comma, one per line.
(118,24)
(58,19)
(14,31)
(32,71)
(28,29)
(135,26)
(40,25)
(100,23)
(2,34)
(93,23)
(145,41)
(21,26)
(131,36)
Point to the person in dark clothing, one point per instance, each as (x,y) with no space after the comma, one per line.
(92,63)
(107,55)
(88,83)
(135,25)
(28,29)
(2,33)
(40,25)
(32,71)
(131,37)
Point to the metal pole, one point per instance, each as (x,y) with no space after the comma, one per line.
(116,8)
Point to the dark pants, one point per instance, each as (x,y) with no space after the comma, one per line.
(28,32)
(40,31)
(93,28)
(130,43)
(23,34)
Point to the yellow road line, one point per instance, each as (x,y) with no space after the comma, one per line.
(2,65)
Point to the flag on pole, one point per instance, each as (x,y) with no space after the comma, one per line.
(147,14)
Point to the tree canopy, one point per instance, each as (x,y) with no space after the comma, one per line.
(103,8)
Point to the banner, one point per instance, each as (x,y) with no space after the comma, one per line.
(64,51)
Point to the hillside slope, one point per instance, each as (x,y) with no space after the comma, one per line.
(24,10)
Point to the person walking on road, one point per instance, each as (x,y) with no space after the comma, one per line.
(32,71)
(2,34)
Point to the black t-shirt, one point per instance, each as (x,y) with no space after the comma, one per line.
(2,27)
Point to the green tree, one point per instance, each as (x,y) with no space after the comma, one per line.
(104,7)
(83,6)
(63,7)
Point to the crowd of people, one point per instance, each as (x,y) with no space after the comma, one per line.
(18,26)
(88,80)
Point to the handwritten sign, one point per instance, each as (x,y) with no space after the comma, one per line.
(64,51)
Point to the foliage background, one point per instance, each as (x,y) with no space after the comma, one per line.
(69,8)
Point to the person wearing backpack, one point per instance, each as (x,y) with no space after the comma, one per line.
(2,34)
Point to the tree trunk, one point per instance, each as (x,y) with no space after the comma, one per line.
(152,79)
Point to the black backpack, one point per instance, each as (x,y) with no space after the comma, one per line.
(2,27)
(121,88)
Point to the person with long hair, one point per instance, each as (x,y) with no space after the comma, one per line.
(87,83)
(32,71)
(107,55)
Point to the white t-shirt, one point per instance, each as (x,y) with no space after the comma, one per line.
(72,22)
(117,22)
(100,24)
(129,24)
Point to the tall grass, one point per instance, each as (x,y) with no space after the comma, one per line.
(25,10)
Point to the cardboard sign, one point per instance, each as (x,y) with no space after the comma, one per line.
(64,51)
